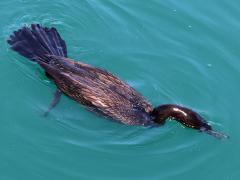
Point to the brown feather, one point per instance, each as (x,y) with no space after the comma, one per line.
(98,90)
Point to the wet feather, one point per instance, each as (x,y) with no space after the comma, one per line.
(99,90)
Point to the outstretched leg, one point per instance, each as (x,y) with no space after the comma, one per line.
(55,101)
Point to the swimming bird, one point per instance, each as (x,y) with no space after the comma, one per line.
(96,89)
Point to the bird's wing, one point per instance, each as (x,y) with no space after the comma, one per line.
(101,91)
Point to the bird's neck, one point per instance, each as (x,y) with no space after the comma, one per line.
(176,112)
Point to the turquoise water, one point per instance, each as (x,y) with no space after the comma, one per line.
(185,52)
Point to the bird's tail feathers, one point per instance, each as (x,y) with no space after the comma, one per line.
(36,42)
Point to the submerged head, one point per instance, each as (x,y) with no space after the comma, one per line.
(186,116)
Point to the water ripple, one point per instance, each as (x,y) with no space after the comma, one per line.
(171,52)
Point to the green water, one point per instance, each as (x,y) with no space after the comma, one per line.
(185,52)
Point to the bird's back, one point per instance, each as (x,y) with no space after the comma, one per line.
(98,90)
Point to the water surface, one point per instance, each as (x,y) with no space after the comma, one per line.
(185,52)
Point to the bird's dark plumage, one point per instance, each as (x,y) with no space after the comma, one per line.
(97,89)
